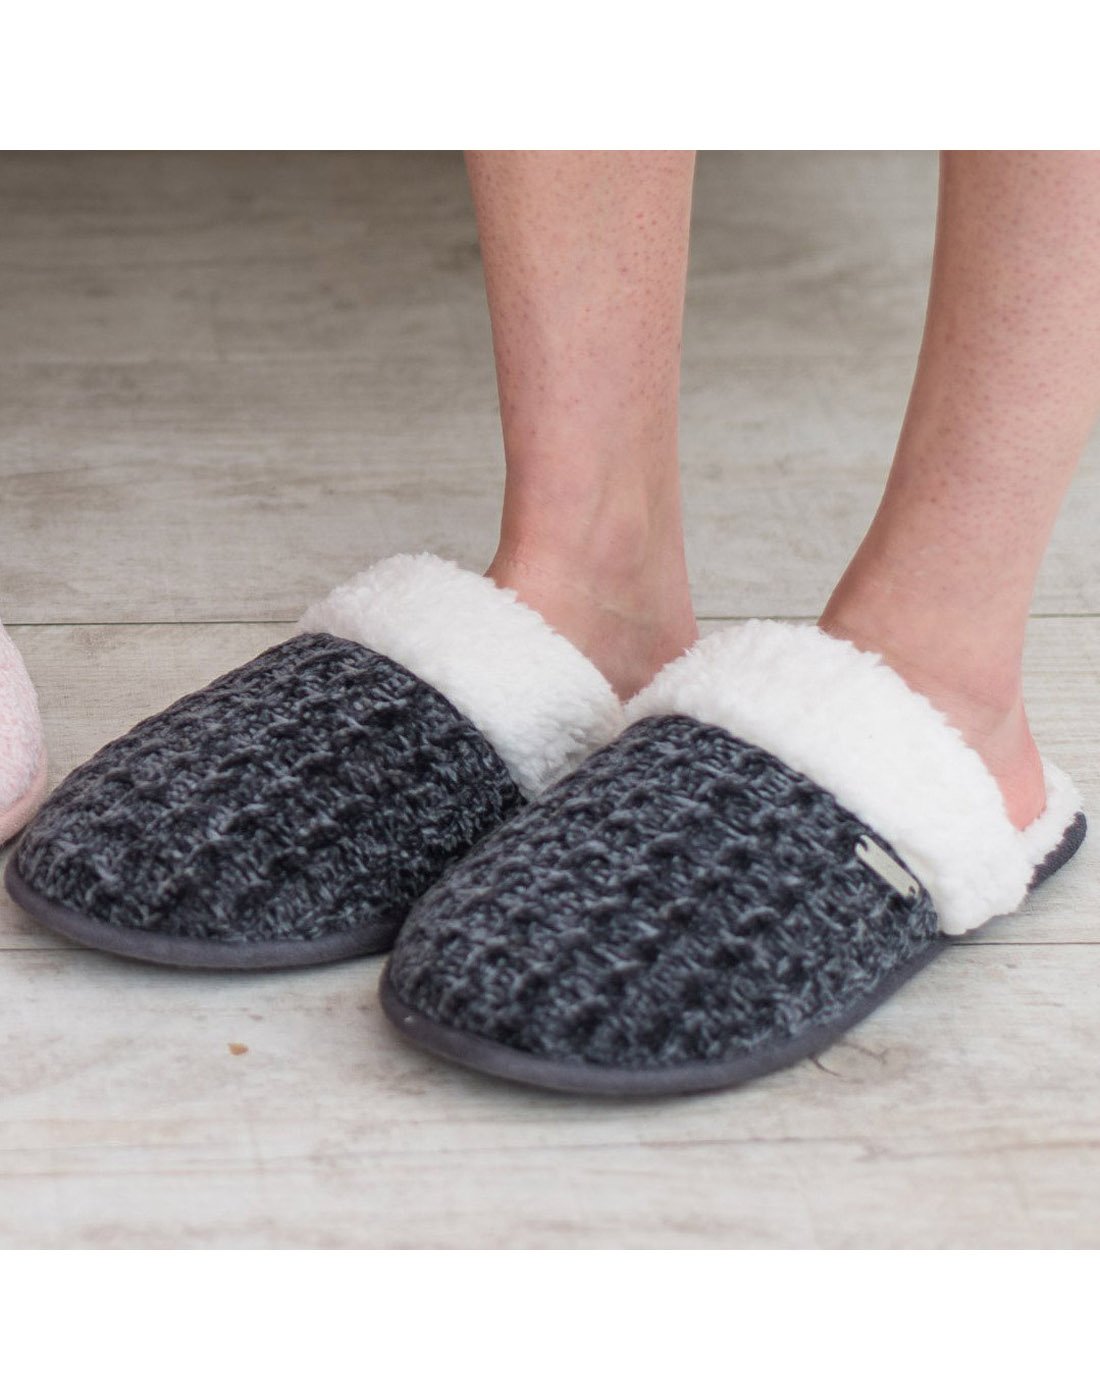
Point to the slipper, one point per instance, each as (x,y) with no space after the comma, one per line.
(292,811)
(784,834)
(22,747)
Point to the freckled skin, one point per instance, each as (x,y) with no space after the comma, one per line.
(585,258)
(1006,392)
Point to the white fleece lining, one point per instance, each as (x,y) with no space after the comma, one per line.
(848,721)
(538,700)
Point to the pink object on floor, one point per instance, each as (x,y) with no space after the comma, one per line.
(22,748)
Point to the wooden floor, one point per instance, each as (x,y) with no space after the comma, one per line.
(227,382)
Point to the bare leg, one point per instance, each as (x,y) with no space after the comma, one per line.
(585,257)
(1006,391)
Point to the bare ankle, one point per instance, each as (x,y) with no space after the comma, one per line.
(624,602)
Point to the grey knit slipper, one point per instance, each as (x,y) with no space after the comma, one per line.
(292,811)
(784,835)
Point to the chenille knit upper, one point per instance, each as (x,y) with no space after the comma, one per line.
(681,897)
(317,790)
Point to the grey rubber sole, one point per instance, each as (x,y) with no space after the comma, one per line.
(578,1077)
(170,950)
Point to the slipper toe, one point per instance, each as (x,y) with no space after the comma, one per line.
(292,811)
(681,911)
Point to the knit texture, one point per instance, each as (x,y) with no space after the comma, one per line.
(847,720)
(537,699)
(316,790)
(683,896)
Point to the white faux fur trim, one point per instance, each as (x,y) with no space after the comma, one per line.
(846,719)
(538,700)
